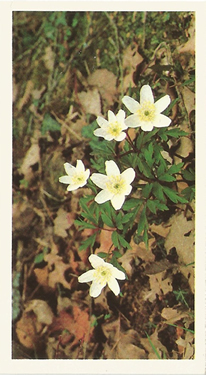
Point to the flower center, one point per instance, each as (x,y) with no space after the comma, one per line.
(114,128)
(102,274)
(116,185)
(78,178)
(147,111)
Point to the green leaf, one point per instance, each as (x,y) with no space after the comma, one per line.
(89,242)
(115,240)
(167,177)
(175,168)
(101,254)
(84,224)
(188,175)
(176,133)
(123,242)
(147,190)
(152,206)
(142,221)
(158,192)
(106,219)
(173,196)
(132,203)
(49,124)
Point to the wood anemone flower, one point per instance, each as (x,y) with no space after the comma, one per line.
(113,128)
(103,274)
(147,114)
(76,176)
(115,185)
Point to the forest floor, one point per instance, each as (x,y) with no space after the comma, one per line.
(68,68)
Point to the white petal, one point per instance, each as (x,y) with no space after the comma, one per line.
(96,261)
(112,168)
(69,168)
(128,190)
(99,179)
(101,121)
(118,274)
(117,201)
(162,103)
(128,175)
(86,277)
(132,121)
(109,137)
(161,121)
(87,173)
(111,116)
(114,286)
(146,94)
(80,166)
(103,196)
(147,126)
(120,137)
(65,179)
(100,132)
(74,186)
(130,103)
(95,289)
(121,116)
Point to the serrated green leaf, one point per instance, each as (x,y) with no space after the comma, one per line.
(123,242)
(132,203)
(115,240)
(84,224)
(158,192)
(175,168)
(152,206)
(188,175)
(106,219)
(89,242)
(147,190)
(176,133)
(167,177)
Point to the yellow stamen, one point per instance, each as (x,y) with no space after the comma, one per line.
(116,185)
(147,111)
(102,274)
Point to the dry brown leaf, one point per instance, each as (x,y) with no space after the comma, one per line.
(27,330)
(136,251)
(131,59)
(189,99)
(159,285)
(105,240)
(63,221)
(105,81)
(90,101)
(77,325)
(42,311)
(121,345)
(160,348)
(32,157)
(49,58)
(160,229)
(23,215)
(181,237)
(26,96)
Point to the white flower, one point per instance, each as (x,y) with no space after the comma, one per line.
(115,185)
(76,176)
(102,274)
(147,114)
(113,128)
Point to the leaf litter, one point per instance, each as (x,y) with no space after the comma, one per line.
(55,317)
